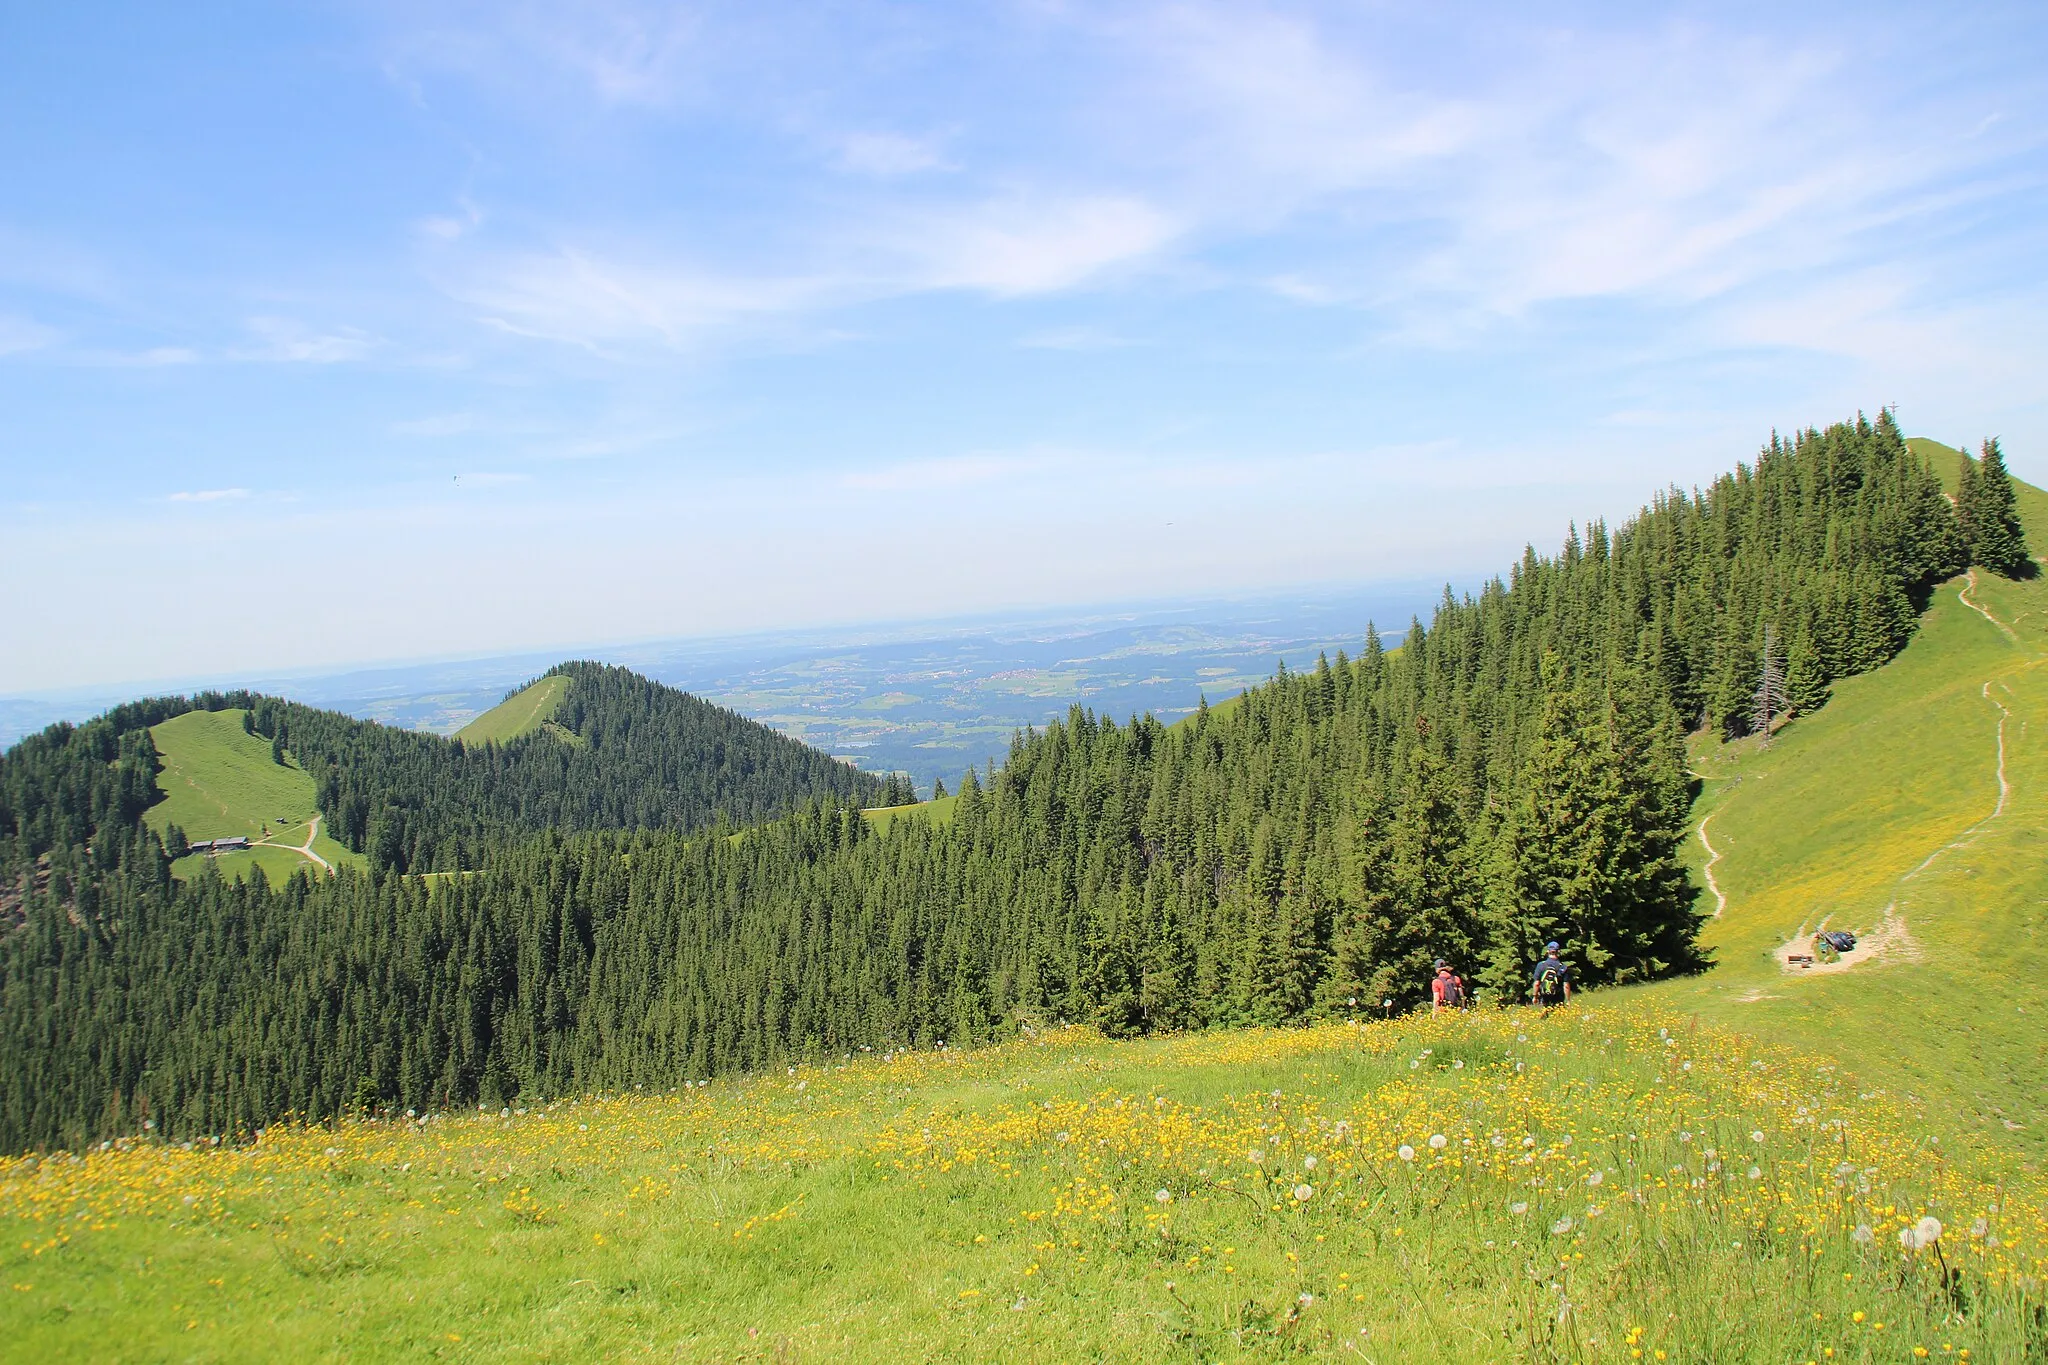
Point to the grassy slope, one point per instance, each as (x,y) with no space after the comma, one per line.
(219,780)
(1001,1205)
(520,714)
(940,810)
(1890,797)
(1006,1205)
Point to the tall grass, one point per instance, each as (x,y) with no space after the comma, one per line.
(1602,1185)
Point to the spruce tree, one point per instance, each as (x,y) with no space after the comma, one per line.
(1432,898)
(1806,683)
(1573,835)
(1998,543)
(1969,500)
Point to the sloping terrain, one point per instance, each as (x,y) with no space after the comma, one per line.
(1913,811)
(1611,1183)
(217,779)
(524,712)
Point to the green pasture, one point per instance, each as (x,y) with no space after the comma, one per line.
(219,780)
(1883,814)
(520,714)
(1584,1187)
(939,811)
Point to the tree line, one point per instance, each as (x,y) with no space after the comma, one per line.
(1513,773)
(639,756)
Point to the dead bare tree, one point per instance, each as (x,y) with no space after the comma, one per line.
(1770,700)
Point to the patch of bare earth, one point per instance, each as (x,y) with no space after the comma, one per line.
(1889,939)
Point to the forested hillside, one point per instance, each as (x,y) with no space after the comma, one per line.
(639,756)
(1514,773)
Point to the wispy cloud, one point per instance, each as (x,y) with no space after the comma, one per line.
(18,334)
(211,495)
(1007,247)
(1029,243)
(888,155)
(1500,168)
(589,299)
(285,339)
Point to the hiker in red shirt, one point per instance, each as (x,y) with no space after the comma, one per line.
(1446,990)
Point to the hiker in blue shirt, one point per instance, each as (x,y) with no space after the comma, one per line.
(1553,983)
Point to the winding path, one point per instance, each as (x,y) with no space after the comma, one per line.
(1969,583)
(2004,794)
(1713,856)
(304,850)
(313,832)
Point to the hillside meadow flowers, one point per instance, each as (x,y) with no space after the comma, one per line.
(1609,1183)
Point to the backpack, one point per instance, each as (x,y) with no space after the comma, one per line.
(1452,991)
(1550,979)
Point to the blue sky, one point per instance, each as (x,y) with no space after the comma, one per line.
(394,330)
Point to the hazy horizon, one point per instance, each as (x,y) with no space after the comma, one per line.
(368,331)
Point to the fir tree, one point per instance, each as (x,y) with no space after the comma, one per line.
(1969,502)
(1805,682)
(1432,901)
(1997,541)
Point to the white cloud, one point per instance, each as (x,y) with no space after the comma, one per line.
(619,51)
(285,339)
(1029,243)
(1454,174)
(19,334)
(211,495)
(1012,246)
(579,296)
(888,154)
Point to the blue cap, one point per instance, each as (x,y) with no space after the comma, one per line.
(1550,947)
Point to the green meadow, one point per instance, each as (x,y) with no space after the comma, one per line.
(1763,1162)
(522,713)
(219,780)
(940,811)
(1613,1182)
(1912,809)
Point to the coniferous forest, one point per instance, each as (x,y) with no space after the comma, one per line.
(1513,773)
(638,755)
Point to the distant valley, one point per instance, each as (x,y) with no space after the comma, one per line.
(925,698)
